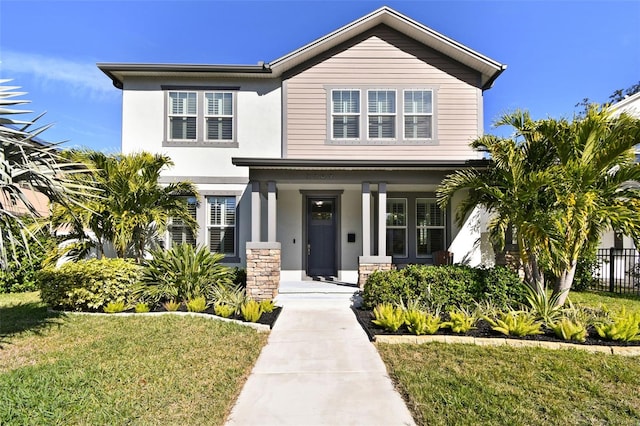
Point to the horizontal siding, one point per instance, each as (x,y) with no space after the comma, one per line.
(385,59)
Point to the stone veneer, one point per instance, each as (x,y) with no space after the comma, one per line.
(369,264)
(263,270)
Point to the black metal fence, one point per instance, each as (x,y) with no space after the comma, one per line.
(618,271)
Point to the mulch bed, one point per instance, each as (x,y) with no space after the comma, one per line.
(483,329)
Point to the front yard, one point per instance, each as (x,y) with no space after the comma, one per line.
(466,384)
(78,369)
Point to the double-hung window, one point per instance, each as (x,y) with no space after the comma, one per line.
(345,114)
(430,227)
(183,115)
(219,116)
(179,232)
(397,227)
(381,114)
(418,114)
(201,117)
(221,225)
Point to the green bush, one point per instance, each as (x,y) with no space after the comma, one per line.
(443,287)
(251,311)
(183,273)
(198,304)
(115,307)
(89,284)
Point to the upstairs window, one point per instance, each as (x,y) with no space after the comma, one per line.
(345,114)
(381,114)
(418,114)
(202,117)
(222,225)
(183,116)
(219,116)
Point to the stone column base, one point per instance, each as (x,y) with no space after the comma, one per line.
(369,264)
(263,270)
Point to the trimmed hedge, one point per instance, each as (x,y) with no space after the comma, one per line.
(445,286)
(89,284)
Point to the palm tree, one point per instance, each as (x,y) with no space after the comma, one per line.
(512,190)
(28,165)
(596,186)
(560,184)
(132,204)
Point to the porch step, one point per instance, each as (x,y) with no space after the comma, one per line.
(318,291)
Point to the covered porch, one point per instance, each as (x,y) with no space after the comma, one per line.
(341,220)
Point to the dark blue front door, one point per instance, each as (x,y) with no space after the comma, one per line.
(321,237)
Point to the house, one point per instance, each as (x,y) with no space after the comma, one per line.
(324,162)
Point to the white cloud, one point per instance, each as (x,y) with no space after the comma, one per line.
(83,77)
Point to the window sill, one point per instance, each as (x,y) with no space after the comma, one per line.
(375,142)
(199,144)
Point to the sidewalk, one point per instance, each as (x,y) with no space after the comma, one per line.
(318,367)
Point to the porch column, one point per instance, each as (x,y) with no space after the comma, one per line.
(382,219)
(255,211)
(366,219)
(271,212)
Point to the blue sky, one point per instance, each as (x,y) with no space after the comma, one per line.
(557,52)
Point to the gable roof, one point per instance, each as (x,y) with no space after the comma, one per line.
(488,68)
(630,105)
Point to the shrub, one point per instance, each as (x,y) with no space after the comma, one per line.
(234,296)
(388,317)
(223,310)
(419,322)
(622,327)
(114,307)
(239,277)
(568,329)
(198,304)
(183,273)
(171,305)
(460,321)
(515,323)
(543,306)
(586,270)
(88,284)
(267,306)
(142,308)
(251,311)
(443,287)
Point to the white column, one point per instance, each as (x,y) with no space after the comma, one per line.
(382,219)
(366,219)
(271,212)
(255,212)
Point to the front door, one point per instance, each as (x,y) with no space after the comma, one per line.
(321,236)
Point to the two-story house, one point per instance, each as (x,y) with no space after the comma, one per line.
(323,162)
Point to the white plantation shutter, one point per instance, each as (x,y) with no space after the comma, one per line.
(178,231)
(397,227)
(345,111)
(222,224)
(430,232)
(382,114)
(219,116)
(182,115)
(418,114)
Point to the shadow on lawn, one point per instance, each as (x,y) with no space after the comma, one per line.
(31,316)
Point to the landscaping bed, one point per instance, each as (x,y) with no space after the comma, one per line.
(483,329)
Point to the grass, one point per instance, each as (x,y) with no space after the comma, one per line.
(612,302)
(468,385)
(78,369)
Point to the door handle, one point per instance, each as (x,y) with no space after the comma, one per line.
(309,249)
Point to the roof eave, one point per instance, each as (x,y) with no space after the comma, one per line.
(289,163)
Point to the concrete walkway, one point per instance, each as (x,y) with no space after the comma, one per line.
(318,367)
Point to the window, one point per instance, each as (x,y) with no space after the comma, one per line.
(345,114)
(219,116)
(222,225)
(418,114)
(179,232)
(430,227)
(202,117)
(397,227)
(382,114)
(183,115)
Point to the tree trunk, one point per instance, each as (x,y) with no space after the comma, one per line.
(563,283)
(533,276)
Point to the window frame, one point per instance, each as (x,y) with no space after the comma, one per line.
(405,227)
(201,117)
(419,227)
(364,137)
(222,226)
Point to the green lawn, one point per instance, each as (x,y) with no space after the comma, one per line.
(77,369)
(470,385)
